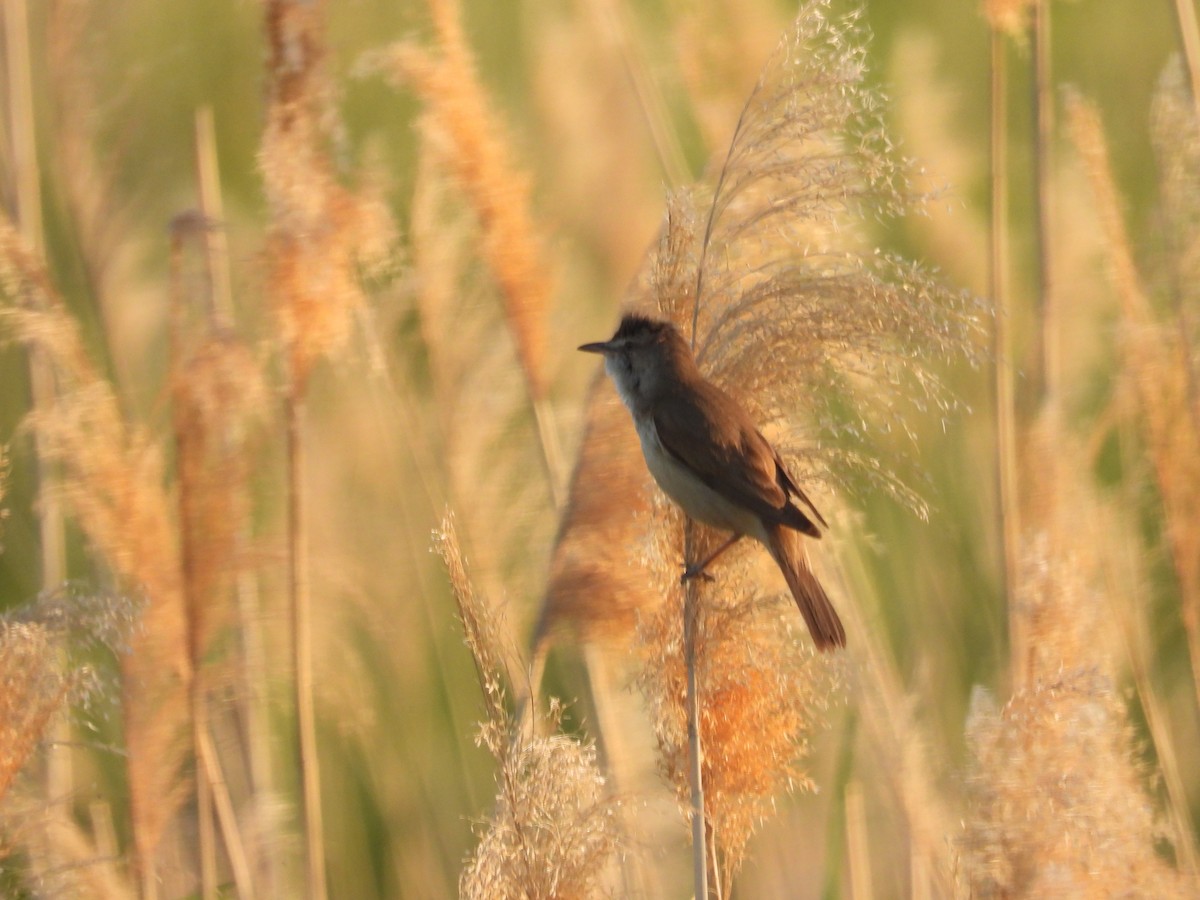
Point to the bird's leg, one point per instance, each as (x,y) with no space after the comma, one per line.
(696,570)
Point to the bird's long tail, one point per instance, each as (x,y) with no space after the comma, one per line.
(822,619)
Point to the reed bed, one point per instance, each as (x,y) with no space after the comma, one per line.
(281,319)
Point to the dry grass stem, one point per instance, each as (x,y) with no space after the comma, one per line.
(321,237)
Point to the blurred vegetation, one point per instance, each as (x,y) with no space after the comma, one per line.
(983,706)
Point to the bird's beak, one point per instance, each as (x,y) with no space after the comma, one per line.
(597,347)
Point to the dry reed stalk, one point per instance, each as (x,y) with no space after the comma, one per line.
(320,234)
(1189,37)
(1003,361)
(217,391)
(112,480)
(28,218)
(253,666)
(1158,368)
(554,829)
(1008,16)
(461,116)
(1049,306)
(858,842)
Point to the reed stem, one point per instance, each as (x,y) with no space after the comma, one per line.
(300,602)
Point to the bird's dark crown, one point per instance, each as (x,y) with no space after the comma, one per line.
(638,326)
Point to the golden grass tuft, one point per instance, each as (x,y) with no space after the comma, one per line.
(218,391)
(461,120)
(112,479)
(554,831)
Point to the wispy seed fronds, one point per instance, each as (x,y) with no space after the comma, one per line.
(554,831)
(792,310)
(42,650)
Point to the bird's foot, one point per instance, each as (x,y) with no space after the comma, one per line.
(694,571)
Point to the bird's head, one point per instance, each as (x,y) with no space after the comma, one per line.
(644,358)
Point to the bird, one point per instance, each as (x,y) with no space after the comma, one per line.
(706,454)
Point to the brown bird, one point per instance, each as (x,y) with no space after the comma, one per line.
(707,455)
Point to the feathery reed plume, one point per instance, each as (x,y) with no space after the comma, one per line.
(1005,18)
(599,583)
(763,693)
(459,116)
(462,116)
(1158,366)
(112,480)
(1055,788)
(554,830)
(320,235)
(1058,805)
(33,689)
(479,397)
(782,270)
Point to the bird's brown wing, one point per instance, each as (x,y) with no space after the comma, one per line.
(714,437)
(788,484)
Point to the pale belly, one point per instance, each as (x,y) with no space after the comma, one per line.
(696,498)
